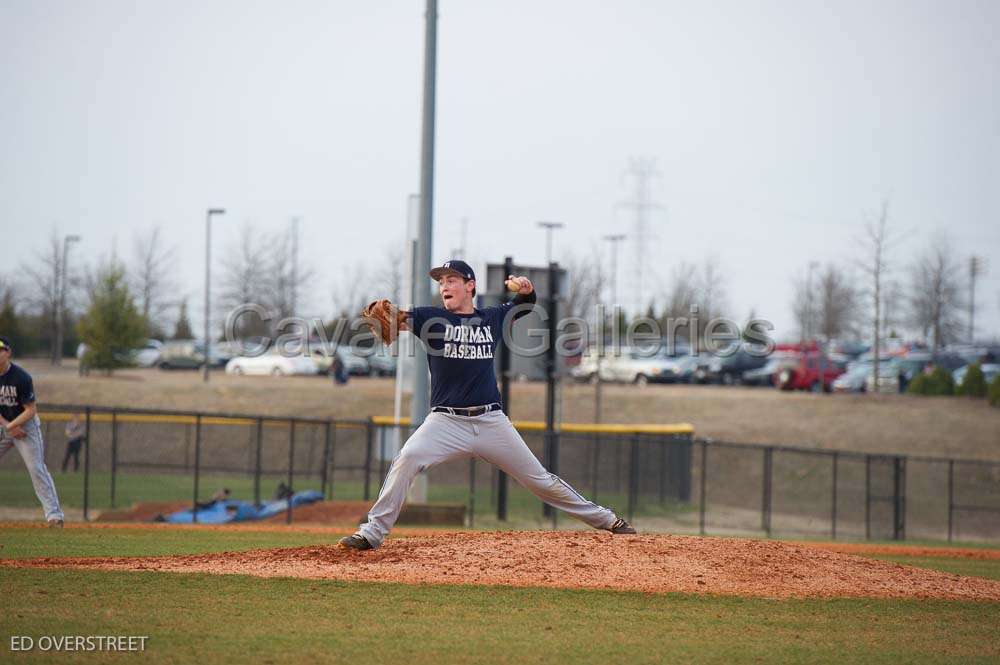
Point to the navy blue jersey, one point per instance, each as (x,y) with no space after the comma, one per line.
(460,351)
(16,390)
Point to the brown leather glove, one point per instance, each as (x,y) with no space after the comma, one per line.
(384,319)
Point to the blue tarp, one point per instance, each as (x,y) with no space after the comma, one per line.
(232,510)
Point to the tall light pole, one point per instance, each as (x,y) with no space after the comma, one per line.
(419,404)
(808,323)
(295,265)
(614,240)
(549,228)
(57,352)
(976,268)
(208,283)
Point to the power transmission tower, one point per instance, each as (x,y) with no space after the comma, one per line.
(642,171)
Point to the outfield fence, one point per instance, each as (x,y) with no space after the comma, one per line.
(660,476)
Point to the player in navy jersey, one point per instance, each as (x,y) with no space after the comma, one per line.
(466,418)
(21,429)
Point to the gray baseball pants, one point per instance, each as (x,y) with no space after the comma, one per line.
(32,449)
(491,437)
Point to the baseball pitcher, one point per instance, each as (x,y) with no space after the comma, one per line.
(466,418)
(20,428)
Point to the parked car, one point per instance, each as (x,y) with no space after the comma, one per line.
(186,354)
(679,367)
(769,373)
(855,377)
(728,370)
(627,365)
(271,363)
(149,354)
(810,370)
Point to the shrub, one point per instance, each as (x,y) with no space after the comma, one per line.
(918,385)
(994,391)
(973,383)
(938,382)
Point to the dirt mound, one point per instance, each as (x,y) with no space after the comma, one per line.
(595,560)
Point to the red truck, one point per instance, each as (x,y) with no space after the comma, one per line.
(810,369)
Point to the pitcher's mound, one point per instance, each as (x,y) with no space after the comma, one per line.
(597,560)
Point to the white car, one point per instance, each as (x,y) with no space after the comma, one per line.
(271,364)
(628,365)
(149,354)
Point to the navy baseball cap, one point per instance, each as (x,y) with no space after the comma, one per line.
(453,267)
(5,344)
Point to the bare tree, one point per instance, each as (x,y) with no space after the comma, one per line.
(837,305)
(875,243)
(683,290)
(678,302)
(711,285)
(351,291)
(150,277)
(935,297)
(584,284)
(45,275)
(244,279)
(802,306)
(285,276)
(390,281)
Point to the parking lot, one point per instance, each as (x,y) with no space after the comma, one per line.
(872,423)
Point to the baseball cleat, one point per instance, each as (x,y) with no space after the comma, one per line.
(621,527)
(55,524)
(355,542)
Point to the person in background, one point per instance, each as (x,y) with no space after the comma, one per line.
(75,431)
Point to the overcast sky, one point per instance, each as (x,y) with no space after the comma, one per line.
(777,128)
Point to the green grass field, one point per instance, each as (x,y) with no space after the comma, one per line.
(221,619)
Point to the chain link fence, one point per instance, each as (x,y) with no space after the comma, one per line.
(661,478)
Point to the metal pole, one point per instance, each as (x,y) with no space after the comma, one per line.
(868,497)
(899,498)
(663,470)
(633,480)
(765,508)
(549,228)
(422,297)
(508,268)
(368,459)
(324,474)
(60,322)
(295,265)
(197,466)
(951,495)
(596,442)
(256,469)
(291,469)
(208,284)
(86,468)
(114,454)
(333,457)
(833,507)
(208,294)
(551,438)
(701,490)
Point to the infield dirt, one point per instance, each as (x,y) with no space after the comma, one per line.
(655,564)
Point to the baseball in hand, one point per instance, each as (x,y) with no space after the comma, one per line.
(514,284)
